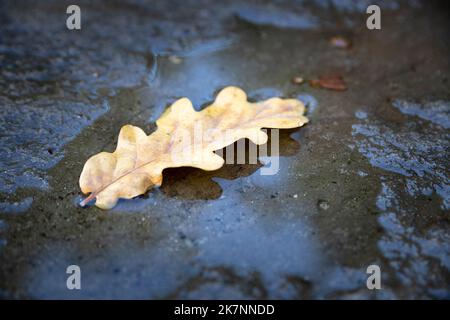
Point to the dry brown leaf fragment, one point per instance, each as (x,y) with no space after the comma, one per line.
(330,82)
(139,159)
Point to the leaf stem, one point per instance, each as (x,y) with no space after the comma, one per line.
(88,199)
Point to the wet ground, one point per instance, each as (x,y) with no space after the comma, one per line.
(365,182)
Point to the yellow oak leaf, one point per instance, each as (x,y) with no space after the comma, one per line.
(184,138)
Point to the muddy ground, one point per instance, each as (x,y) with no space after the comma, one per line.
(365,182)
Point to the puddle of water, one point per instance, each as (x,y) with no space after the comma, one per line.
(361,115)
(437,112)
(409,254)
(417,158)
(277,17)
(310,102)
(33,136)
(3,226)
(420,156)
(16,207)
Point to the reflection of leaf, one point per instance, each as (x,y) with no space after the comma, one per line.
(138,161)
(193,184)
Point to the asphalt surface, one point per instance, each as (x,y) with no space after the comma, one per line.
(365,182)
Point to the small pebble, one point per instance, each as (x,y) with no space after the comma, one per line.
(323,204)
(362,173)
(298,80)
(340,42)
(175,59)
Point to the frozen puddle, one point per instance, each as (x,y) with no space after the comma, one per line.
(415,158)
(417,153)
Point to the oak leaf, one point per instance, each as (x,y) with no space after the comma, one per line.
(139,159)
